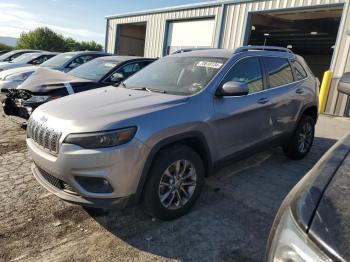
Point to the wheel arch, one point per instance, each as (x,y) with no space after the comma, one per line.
(194,139)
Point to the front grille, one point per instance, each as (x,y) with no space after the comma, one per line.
(46,137)
(58,183)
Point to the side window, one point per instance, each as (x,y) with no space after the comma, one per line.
(40,60)
(126,71)
(247,71)
(300,72)
(80,60)
(278,70)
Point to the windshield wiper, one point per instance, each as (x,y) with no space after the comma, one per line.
(151,90)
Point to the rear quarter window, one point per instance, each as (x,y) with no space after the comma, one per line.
(278,70)
(300,72)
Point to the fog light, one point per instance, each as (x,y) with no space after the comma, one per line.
(94,184)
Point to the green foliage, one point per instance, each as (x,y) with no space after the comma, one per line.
(4,47)
(44,38)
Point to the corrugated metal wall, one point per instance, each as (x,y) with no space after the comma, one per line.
(156,23)
(233,32)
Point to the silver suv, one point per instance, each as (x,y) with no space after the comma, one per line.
(156,136)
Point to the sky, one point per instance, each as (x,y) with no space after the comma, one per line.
(81,19)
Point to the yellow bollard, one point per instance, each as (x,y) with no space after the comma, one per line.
(326,83)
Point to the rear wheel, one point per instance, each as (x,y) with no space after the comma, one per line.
(174,183)
(300,143)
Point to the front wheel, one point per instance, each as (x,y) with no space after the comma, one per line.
(300,143)
(174,183)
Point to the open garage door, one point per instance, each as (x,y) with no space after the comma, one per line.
(311,33)
(131,39)
(190,34)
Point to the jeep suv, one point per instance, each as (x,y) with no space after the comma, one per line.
(157,135)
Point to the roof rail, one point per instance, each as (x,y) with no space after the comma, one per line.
(184,50)
(262,48)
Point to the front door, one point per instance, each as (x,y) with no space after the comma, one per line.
(243,121)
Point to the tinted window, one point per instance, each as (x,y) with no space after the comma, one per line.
(247,71)
(126,71)
(278,70)
(300,72)
(80,60)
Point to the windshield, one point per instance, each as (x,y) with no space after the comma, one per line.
(57,61)
(25,58)
(7,55)
(177,75)
(94,70)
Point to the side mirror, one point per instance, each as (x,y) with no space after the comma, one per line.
(233,88)
(73,65)
(117,77)
(344,84)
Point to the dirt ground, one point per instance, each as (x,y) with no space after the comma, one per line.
(230,222)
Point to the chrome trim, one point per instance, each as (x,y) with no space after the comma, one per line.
(46,138)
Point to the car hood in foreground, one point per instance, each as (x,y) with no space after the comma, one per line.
(331,223)
(103,108)
(18,70)
(47,80)
(7,66)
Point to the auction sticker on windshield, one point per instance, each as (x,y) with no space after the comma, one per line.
(209,64)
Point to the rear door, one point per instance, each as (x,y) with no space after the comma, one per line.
(285,94)
(243,121)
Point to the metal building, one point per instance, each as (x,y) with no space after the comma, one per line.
(319,30)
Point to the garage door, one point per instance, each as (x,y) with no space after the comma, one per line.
(190,34)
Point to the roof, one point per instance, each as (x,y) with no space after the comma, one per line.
(121,58)
(85,52)
(214,52)
(178,8)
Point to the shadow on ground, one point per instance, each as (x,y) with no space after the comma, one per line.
(231,220)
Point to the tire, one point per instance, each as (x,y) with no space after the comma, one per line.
(303,134)
(173,168)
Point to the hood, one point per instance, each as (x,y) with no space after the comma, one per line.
(103,108)
(18,70)
(46,80)
(331,222)
(11,65)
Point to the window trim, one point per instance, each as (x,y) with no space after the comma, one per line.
(264,80)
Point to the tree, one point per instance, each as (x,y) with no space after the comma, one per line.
(4,47)
(44,38)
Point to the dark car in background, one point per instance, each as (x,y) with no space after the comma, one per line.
(27,59)
(313,223)
(9,56)
(47,84)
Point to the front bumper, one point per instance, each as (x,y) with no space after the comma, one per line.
(121,166)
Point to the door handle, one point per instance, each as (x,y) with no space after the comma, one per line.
(263,100)
(299,91)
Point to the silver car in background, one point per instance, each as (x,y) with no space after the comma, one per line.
(9,56)
(27,59)
(156,136)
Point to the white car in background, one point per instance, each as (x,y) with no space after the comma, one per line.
(26,60)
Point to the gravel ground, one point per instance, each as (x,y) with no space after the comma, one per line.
(230,222)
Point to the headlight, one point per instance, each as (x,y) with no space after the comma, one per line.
(38,99)
(18,77)
(102,139)
(290,243)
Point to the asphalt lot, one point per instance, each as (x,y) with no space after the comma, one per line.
(230,222)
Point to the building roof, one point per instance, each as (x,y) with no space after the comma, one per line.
(178,8)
